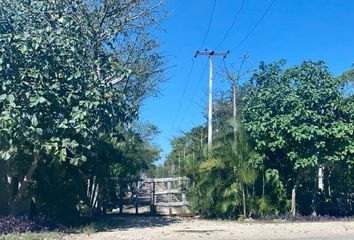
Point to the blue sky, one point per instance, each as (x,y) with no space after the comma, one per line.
(294,30)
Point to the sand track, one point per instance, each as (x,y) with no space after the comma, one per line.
(152,228)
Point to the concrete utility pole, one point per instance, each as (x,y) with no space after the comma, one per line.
(211,55)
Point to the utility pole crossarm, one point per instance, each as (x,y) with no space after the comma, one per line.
(211,55)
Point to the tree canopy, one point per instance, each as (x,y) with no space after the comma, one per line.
(73,77)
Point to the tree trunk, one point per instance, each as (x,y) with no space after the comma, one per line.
(28,177)
(263,185)
(4,193)
(329,184)
(10,181)
(244,201)
(293,202)
(93,191)
(21,205)
(318,190)
(320,178)
(96,201)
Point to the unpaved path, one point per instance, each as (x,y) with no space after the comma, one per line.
(154,228)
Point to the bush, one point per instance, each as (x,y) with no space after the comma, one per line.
(24,224)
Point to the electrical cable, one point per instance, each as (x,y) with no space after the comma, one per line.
(255,26)
(232,25)
(190,72)
(208,29)
(194,93)
(184,91)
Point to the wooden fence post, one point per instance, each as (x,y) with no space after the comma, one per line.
(137,197)
(152,203)
(184,199)
(169,198)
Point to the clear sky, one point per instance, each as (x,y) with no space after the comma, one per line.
(294,30)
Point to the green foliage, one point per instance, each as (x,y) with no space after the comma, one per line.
(71,84)
(295,108)
(298,119)
(276,192)
(265,207)
(225,179)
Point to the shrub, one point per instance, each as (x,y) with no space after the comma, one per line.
(24,224)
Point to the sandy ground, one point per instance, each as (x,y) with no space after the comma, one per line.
(152,228)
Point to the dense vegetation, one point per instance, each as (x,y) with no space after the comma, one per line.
(289,148)
(73,76)
(23,224)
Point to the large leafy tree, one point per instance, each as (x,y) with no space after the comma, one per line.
(299,120)
(73,76)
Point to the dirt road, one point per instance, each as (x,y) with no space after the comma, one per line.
(153,228)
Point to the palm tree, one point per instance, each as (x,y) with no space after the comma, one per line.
(224,178)
(237,153)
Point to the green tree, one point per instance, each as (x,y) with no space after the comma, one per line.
(73,76)
(299,122)
(225,180)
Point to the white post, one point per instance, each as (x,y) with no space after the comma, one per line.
(210,114)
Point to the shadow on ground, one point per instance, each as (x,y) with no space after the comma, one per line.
(126,222)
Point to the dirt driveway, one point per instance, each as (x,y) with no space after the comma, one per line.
(153,228)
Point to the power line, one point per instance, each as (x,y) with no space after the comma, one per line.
(232,25)
(184,91)
(194,93)
(208,29)
(255,26)
(191,69)
(200,104)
